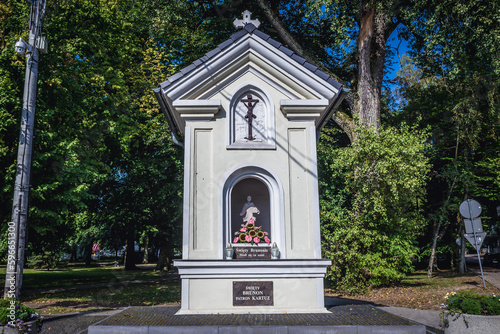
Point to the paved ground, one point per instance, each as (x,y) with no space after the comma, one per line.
(491,275)
(429,318)
(344,312)
(74,323)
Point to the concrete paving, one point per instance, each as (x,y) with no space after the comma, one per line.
(340,319)
(74,323)
(346,316)
(491,275)
(429,318)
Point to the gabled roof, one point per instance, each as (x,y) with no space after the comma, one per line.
(245,40)
(250,29)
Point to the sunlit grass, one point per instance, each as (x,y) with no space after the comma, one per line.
(166,292)
(72,276)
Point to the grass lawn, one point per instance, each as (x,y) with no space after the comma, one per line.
(77,275)
(91,298)
(160,293)
(419,292)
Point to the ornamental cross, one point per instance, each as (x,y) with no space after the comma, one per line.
(246,20)
(250,103)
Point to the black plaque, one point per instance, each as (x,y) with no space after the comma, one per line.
(252,253)
(253,293)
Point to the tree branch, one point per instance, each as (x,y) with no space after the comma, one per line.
(345,122)
(289,40)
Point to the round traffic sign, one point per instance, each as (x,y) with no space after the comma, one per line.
(470,207)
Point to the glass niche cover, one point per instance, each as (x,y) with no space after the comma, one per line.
(250,213)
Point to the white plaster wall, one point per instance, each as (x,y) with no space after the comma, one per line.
(293,161)
(290,294)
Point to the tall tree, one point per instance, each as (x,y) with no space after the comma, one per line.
(359,31)
(455,47)
(97,111)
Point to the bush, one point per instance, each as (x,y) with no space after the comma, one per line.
(46,260)
(472,303)
(22,315)
(370,206)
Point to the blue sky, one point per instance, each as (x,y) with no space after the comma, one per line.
(395,42)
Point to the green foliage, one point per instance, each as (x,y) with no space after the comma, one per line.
(454,38)
(370,232)
(13,14)
(47,260)
(21,312)
(463,116)
(472,303)
(97,124)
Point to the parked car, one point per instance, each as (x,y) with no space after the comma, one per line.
(492,260)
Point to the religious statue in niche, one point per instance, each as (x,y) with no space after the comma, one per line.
(249,231)
(250,125)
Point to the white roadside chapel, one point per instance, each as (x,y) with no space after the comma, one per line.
(250,112)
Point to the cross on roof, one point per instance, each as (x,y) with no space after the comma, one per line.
(246,20)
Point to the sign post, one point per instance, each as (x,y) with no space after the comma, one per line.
(470,210)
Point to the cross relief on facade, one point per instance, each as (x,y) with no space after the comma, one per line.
(250,103)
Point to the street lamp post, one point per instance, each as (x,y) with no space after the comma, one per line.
(20,206)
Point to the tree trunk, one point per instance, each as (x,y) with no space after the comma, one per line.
(165,256)
(146,250)
(73,257)
(434,245)
(130,253)
(87,253)
(373,33)
(461,266)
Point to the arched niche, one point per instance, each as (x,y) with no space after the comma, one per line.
(254,191)
(267,194)
(263,128)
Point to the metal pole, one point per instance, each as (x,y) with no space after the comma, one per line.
(475,242)
(20,205)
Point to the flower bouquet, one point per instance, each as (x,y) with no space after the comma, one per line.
(251,234)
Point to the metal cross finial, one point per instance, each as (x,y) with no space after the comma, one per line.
(246,20)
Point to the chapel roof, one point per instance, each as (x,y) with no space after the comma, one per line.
(249,29)
(333,90)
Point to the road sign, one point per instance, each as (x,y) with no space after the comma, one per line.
(470,210)
(479,239)
(470,207)
(473,225)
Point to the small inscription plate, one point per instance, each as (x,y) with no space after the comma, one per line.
(253,253)
(253,293)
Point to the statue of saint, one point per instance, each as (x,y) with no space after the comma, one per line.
(248,210)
